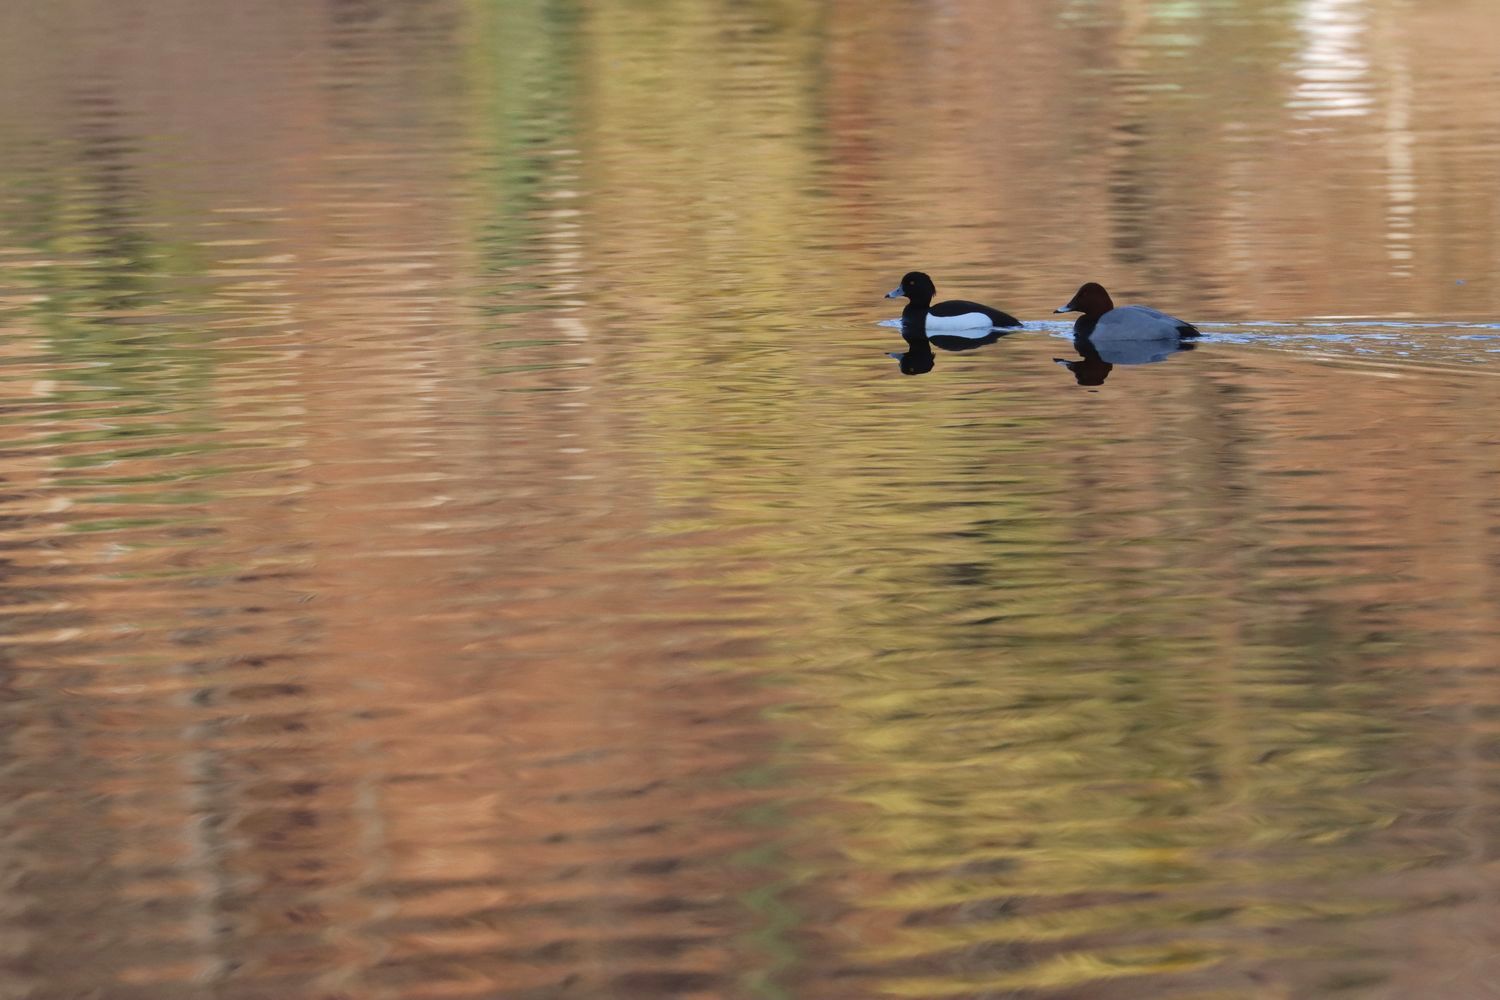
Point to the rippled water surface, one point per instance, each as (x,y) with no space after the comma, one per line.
(463,535)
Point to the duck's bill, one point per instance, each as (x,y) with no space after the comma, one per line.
(895,293)
(1064,309)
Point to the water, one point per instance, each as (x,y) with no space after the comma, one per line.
(463,536)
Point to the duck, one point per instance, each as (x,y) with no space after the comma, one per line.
(951,316)
(918,359)
(1103,320)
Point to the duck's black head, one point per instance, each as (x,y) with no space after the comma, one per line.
(915,286)
(1091,300)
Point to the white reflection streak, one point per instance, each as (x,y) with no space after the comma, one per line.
(565,238)
(1331,67)
(1400,161)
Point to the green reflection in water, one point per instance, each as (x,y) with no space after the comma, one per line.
(103,297)
(1054,726)
(524,71)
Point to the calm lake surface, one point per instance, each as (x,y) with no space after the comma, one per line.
(464,536)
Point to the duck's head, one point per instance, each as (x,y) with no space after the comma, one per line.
(915,286)
(1091,300)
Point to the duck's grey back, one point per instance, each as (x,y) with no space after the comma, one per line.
(1140,323)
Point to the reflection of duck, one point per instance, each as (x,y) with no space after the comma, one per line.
(1099,359)
(966,341)
(955,314)
(1103,321)
(918,359)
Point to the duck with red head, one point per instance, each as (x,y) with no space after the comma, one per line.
(1102,320)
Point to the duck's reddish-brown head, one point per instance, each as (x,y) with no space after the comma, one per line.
(1091,300)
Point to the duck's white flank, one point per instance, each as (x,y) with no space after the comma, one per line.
(976,323)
